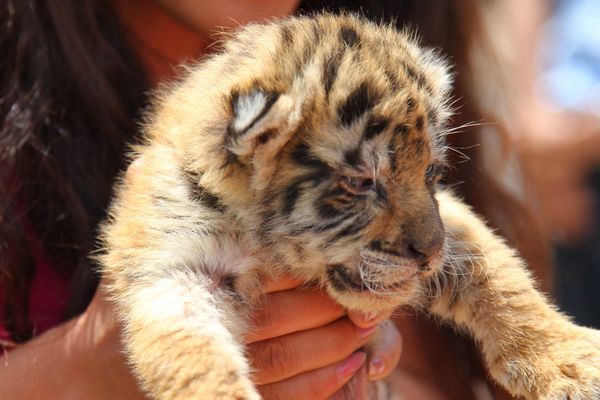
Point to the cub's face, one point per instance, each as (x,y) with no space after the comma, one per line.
(340,156)
(350,198)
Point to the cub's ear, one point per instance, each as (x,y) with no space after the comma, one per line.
(261,123)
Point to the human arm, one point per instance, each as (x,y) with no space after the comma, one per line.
(78,359)
(82,358)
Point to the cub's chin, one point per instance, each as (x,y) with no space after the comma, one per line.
(351,290)
(379,289)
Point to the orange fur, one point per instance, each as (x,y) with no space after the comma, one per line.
(311,146)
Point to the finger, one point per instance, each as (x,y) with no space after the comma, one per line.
(136,166)
(315,385)
(311,308)
(366,320)
(271,285)
(385,351)
(356,389)
(283,357)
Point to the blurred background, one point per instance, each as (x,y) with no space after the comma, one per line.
(549,53)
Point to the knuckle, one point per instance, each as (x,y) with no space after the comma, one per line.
(276,356)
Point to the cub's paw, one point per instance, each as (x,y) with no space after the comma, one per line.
(569,369)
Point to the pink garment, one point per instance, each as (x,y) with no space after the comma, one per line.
(49,292)
(4,335)
(48,295)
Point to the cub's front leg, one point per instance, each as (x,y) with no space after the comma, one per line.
(168,261)
(177,340)
(529,347)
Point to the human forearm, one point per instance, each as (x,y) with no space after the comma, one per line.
(37,369)
(80,359)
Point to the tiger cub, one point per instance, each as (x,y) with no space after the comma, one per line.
(312,146)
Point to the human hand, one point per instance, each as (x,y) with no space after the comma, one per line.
(100,370)
(80,359)
(314,348)
(302,344)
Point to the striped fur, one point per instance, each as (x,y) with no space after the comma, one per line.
(313,146)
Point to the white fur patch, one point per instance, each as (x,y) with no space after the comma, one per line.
(188,302)
(184,301)
(208,254)
(248,108)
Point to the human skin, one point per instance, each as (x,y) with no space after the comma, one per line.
(82,358)
(166,33)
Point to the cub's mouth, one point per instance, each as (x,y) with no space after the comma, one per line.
(342,279)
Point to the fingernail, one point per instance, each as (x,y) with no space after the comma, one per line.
(376,367)
(351,365)
(365,332)
(371,317)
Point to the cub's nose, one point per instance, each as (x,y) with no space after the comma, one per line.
(421,251)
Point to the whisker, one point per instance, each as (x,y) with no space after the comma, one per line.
(461,128)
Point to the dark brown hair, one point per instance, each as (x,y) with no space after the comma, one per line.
(71,89)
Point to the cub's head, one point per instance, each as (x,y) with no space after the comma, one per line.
(327,143)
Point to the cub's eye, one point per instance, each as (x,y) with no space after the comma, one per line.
(356,184)
(432,173)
